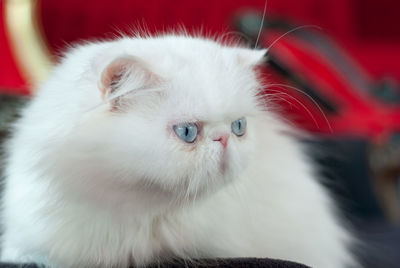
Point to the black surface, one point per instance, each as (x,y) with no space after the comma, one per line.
(222,263)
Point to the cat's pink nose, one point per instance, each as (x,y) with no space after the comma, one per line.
(223,139)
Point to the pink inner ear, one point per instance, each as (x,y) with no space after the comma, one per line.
(120,69)
(112,75)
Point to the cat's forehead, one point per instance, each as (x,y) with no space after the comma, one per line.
(211,92)
(207,80)
(203,78)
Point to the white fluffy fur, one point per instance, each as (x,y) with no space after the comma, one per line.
(87,185)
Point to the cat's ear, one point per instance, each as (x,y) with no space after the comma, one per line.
(125,73)
(251,57)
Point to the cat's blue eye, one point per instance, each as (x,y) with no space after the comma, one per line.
(186,131)
(239,126)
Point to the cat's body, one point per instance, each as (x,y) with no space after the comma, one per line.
(113,184)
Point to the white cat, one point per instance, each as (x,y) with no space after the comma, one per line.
(180,159)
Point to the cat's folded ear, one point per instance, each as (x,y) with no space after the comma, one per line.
(251,57)
(124,75)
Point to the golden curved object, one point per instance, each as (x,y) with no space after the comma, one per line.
(29,49)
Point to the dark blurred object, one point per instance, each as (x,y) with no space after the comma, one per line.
(387,90)
(345,168)
(10,107)
(379,245)
(385,166)
(9,110)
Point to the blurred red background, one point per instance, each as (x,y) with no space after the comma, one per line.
(368,29)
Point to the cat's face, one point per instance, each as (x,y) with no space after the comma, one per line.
(187,126)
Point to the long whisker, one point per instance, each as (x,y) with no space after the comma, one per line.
(301,104)
(272,98)
(276,96)
(308,96)
(262,23)
(291,31)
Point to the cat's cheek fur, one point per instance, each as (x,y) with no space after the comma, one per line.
(90,186)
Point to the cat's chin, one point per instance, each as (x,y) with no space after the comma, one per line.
(207,187)
(190,190)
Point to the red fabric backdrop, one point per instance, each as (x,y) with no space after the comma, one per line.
(368,29)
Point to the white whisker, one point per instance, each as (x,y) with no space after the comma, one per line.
(291,31)
(301,104)
(312,100)
(262,23)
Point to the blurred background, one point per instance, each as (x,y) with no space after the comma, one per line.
(336,77)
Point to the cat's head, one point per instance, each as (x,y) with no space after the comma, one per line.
(178,113)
